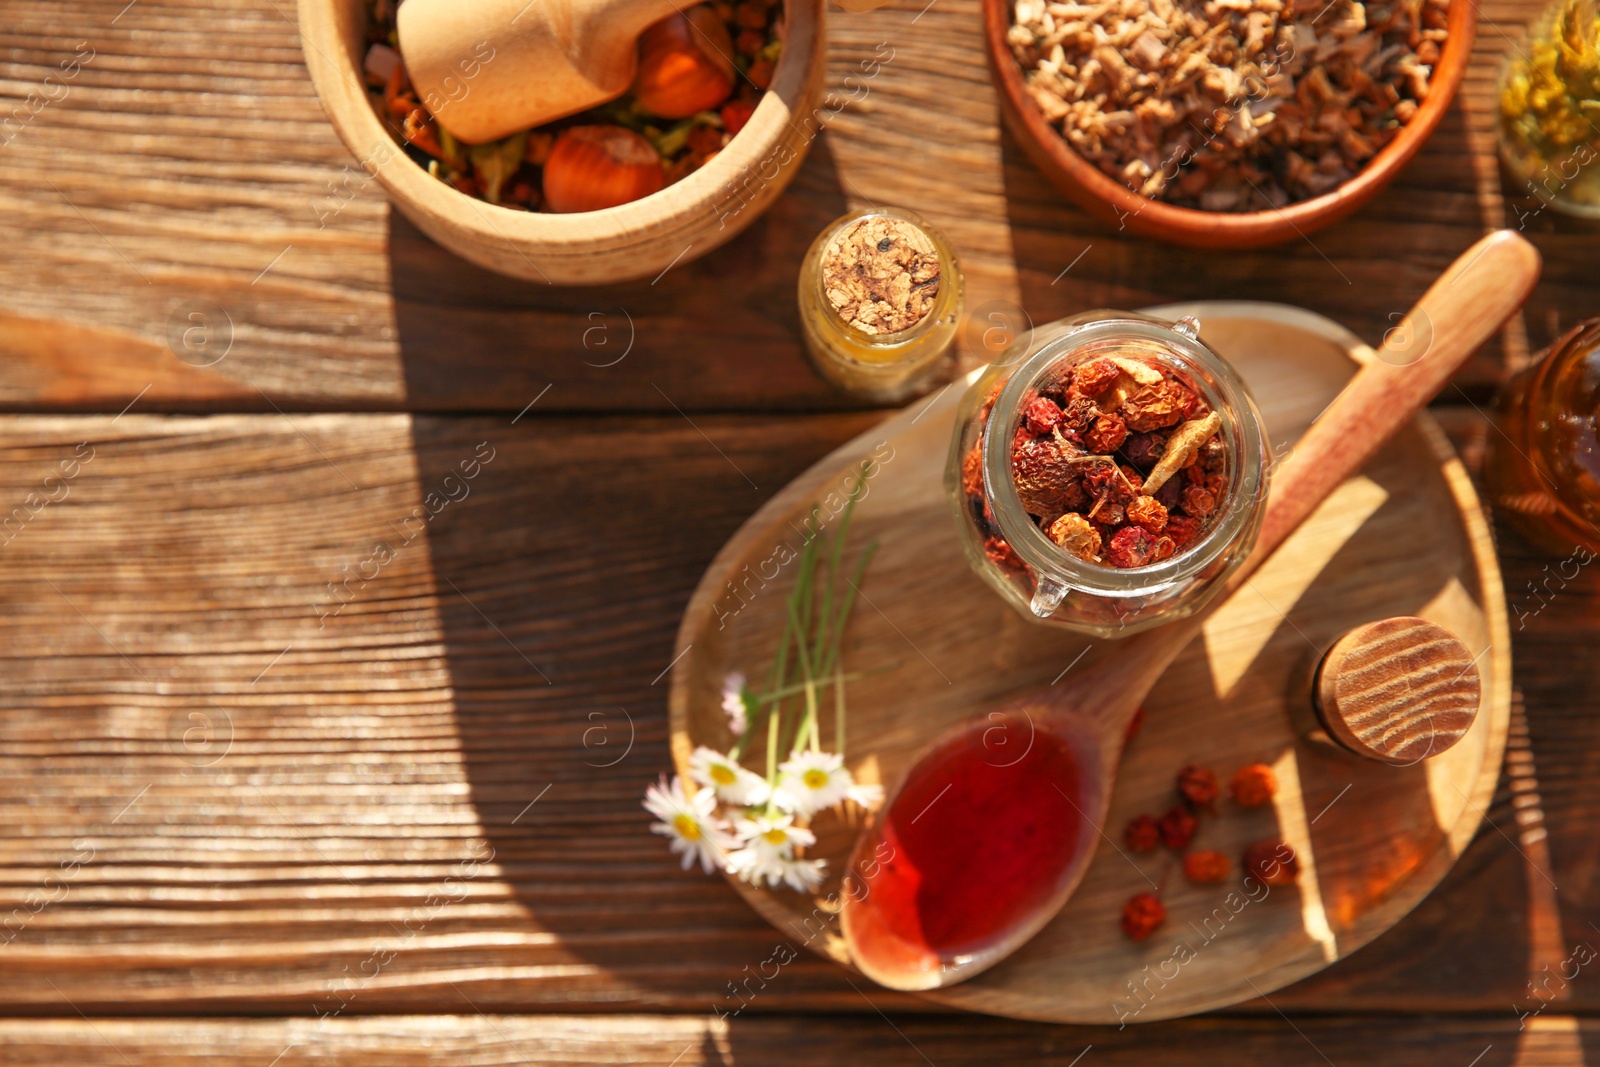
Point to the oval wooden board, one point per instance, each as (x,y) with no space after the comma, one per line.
(1407,537)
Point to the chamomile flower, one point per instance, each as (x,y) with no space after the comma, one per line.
(734,705)
(803,876)
(868,796)
(690,822)
(812,781)
(732,783)
(767,852)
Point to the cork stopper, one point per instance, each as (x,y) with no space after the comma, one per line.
(881,275)
(1398,691)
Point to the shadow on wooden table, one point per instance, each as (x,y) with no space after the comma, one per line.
(719,331)
(560,574)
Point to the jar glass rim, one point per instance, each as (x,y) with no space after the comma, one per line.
(949,281)
(1226,393)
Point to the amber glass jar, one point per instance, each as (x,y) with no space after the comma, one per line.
(1009,547)
(1543,466)
(884,365)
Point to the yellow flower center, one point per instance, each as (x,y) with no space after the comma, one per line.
(687,827)
(722,774)
(775,837)
(815,778)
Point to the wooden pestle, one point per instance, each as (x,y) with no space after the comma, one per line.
(488,68)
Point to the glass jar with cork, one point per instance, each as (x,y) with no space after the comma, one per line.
(1110,477)
(880,295)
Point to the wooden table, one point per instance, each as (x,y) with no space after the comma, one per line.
(287,775)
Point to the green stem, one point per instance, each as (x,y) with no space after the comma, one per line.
(838,711)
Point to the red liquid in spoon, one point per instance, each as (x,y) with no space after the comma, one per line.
(976,841)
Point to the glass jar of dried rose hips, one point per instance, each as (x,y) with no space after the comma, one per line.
(1109,476)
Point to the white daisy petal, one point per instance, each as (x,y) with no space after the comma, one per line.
(689,823)
(811,782)
(803,876)
(732,783)
(868,796)
(733,703)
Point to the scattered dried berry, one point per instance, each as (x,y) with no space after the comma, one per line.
(1272,862)
(1142,914)
(1177,828)
(1198,785)
(1254,786)
(1205,868)
(1142,833)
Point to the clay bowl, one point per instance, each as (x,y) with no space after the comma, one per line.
(637,240)
(1104,196)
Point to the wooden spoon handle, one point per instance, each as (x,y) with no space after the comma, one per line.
(1458,313)
(1417,359)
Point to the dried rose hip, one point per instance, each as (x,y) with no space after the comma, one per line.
(1142,914)
(972,472)
(1183,530)
(1083,449)
(1000,551)
(1131,546)
(1198,502)
(1046,483)
(1142,834)
(1273,862)
(1198,785)
(1095,377)
(1177,828)
(1042,415)
(1144,450)
(1106,435)
(1254,786)
(1109,515)
(1158,406)
(1135,726)
(1078,414)
(1077,535)
(1147,511)
(1205,868)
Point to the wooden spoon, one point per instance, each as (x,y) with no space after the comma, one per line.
(489,68)
(978,848)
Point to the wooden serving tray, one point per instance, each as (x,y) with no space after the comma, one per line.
(1407,537)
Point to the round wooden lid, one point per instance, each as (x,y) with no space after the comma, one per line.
(1398,691)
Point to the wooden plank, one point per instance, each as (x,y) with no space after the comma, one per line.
(229,786)
(690,1041)
(188,169)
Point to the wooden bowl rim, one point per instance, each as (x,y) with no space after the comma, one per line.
(1096,190)
(700,196)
